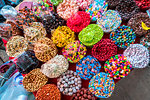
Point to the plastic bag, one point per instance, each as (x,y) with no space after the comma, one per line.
(13,89)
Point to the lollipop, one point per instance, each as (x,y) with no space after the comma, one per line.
(96,9)
(42,7)
(16,45)
(143,4)
(91,35)
(123,36)
(117,66)
(101,85)
(135,23)
(104,49)
(83,94)
(87,67)
(78,21)
(55,67)
(69,82)
(34,80)
(62,36)
(109,21)
(138,55)
(74,51)
(56,2)
(123,9)
(146,41)
(48,92)
(67,8)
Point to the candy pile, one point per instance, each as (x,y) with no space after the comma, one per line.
(146,41)
(143,4)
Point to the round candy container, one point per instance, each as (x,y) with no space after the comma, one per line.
(146,41)
(101,85)
(34,80)
(117,66)
(45,49)
(67,8)
(74,51)
(69,82)
(112,3)
(136,23)
(52,21)
(96,9)
(143,4)
(48,92)
(62,36)
(91,35)
(123,9)
(109,21)
(56,2)
(42,7)
(87,67)
(25,17)
(55,67)
(16,46)
(104,49)
(83,94)
(78,21)
(83,4)
(123,36)
(138,55)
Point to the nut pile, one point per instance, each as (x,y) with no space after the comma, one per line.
(69,82)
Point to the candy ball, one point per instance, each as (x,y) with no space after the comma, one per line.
(123,36)
(83,4)
(101,85)
(117,66)
(138,55)
(48,92)
(74,51)
(83,94)
(34,80)
(123,9)
(91,35)
(136,23)
(69,82)
(55,67)
(96,9)
(87,67)
(67,8)
(109,21)
(104,49)
(62,36)
(45,49)
(78,21)
(112,3)
(145,41)
(16,46)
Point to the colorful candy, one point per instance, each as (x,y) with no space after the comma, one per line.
(104,49)
(101,85)
(87,67)
(83,4)
(123,36)
(146,41)
(56,2)
(138,55)
(62,36)
(96,9)
(143,4)
(109,21)
(91,35)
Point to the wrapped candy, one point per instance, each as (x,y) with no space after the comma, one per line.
(91,35)
(109,21)
(62,36)
(55,67)
(74,51)
(5,30)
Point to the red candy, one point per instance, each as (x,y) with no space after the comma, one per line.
(143,4)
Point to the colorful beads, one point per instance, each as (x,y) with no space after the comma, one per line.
(87,67)
(62,36)
(104,49)
(117,66)
(74,51)
(42,7)
(96,9)
(146,41)
(101,85)
(78,21)
(138,55)
(91,35)
(109,21)
(48,92)
(123,36)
